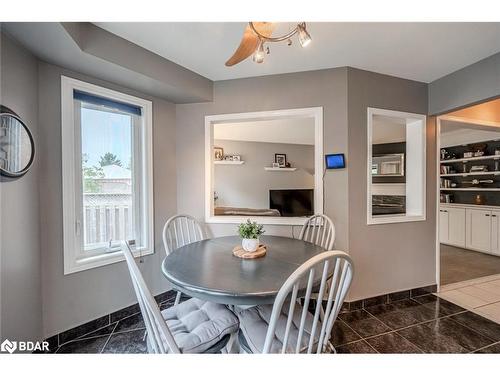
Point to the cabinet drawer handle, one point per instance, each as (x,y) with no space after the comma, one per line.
(486,214)
(493,215)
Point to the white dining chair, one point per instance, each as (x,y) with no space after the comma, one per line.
(181,230)
(286,327)
(193,326)
(319,230)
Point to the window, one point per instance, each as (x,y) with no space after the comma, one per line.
(107,174)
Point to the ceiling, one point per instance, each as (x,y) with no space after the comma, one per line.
(417,51)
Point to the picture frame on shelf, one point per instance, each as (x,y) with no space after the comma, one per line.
(218,153)
(280,159)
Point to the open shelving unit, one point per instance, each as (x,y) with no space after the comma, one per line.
(494,173)
(271,169)
(474,158)
(471,189)
(229,162)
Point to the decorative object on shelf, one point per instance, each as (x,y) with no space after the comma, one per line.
(276,165)
(218,153)
(446,198)
(228,158)
(497,163)
(255,36)
(479,199)
(236,157)
(445,183)
(444,154)
(475,181)
(239,252)
(464,167)
(250,233)
(479,168)
(479,149)
(280,159)
(468,154)
(17,148)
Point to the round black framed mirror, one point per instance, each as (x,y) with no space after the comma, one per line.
(17,148)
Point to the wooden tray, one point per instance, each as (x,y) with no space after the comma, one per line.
(240,253)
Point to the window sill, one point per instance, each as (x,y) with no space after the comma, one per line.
(77,265)
(392,219)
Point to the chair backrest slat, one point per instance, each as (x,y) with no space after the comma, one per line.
(181,230)
(291,311)
(329,265)
(319,230)
(324,278)
(305,309)
(160,338)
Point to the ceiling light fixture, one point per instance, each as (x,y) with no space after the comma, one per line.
(300,29)
(257,34)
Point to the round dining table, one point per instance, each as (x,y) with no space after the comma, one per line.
(208,270)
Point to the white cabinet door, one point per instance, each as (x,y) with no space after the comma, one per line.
(456,226)
(478,236)
(443,226)
(495,232)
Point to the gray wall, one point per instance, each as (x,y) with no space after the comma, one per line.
(248,185)
(326,88)
(76,298)
(20,293)
(388,257)
(472,84)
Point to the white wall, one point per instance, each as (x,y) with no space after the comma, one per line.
(70,300)
(248,185)
(20,289)
(322,88)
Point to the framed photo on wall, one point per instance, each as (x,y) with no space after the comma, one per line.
(280,159)
(218,153)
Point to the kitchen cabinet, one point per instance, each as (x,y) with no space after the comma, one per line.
(452,226)
(470,227)
(478,230)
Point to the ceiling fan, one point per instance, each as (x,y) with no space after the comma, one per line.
(256,34)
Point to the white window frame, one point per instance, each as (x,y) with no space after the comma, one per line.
(74,259)
(315,113)
(416,185)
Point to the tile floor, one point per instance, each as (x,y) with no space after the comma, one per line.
(424,324)
(459,264)
(481,296)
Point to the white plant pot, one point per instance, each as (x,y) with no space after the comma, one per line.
(250,244)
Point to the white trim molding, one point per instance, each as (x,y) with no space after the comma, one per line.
(316,113)
(416,159)
(74,259)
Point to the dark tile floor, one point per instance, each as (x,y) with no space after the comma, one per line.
(424,324)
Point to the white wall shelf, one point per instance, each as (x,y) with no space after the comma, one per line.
(471,174)
(487,157)
(271,169)
(471,189)
(229,162)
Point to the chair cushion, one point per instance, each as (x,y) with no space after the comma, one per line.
(255,321)
(198,325)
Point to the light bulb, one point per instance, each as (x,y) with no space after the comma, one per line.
(304,37)
(258,55)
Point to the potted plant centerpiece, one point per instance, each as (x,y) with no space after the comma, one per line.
(250,233)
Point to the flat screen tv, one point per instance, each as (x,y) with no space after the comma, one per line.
(292,202)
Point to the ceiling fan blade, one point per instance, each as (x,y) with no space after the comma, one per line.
(250,42)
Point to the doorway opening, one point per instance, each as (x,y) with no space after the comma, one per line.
(469,207)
